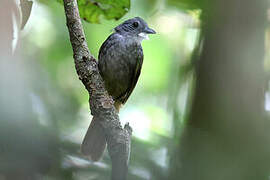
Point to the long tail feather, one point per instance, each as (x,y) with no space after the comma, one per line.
(94,142)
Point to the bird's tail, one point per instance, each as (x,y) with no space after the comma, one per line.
(94,142)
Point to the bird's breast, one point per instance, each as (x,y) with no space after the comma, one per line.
(117,63)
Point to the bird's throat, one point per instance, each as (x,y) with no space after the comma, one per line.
(143,36)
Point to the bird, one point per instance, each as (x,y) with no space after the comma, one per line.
(120,61)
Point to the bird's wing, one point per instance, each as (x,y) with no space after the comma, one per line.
(135,77)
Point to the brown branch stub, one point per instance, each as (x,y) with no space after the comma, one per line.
(101,104)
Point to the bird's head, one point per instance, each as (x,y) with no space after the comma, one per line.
(136,28)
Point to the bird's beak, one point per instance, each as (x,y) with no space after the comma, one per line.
(149,31)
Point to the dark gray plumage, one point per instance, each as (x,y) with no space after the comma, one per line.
(120,60)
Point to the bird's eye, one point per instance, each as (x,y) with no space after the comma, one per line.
(135,24)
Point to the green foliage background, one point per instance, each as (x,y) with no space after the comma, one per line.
(60,115)
(42,139)
(157,103)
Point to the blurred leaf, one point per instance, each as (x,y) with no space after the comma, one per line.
(92,10)
(187,4)
(26,7)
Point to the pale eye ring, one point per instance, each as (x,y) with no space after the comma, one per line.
(135,24)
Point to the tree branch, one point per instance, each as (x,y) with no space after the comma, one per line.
(101,104)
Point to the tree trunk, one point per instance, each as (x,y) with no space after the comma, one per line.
(226,133)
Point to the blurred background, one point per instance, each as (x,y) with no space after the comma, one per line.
(44,109)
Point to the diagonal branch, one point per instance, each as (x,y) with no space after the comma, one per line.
(101,104)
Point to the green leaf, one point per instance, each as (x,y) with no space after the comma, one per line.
(92,10)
